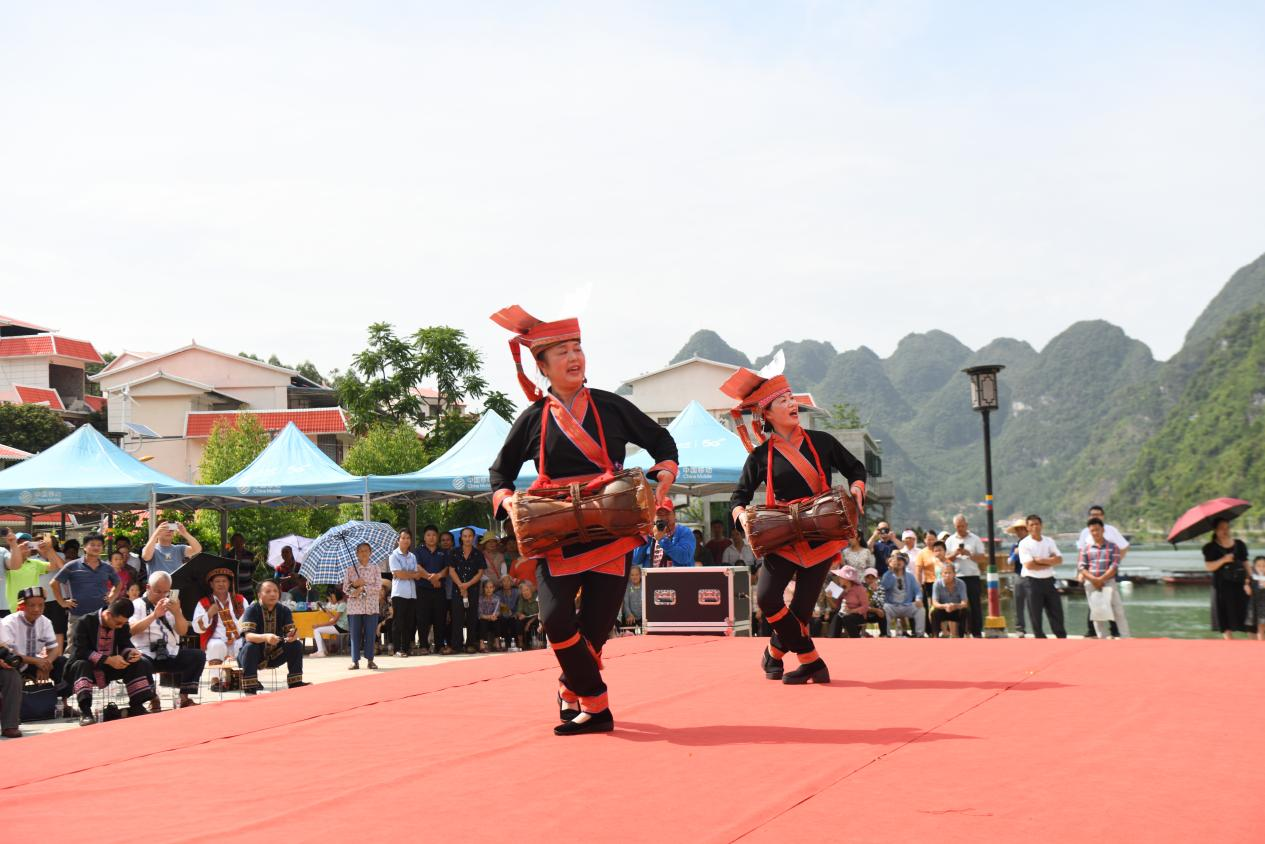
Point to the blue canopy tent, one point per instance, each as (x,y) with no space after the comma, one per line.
(84,473)
(291,471)
(460,472)
(710,456)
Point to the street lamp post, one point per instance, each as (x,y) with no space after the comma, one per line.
(984,399)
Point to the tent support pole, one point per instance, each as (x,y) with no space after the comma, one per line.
(364,507)
(153,512)
(224,528)
(412,518)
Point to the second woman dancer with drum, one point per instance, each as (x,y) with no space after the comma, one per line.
(793,464)
(575,434)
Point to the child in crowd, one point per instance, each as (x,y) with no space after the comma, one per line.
(1255,588)
(489,614)
(118,561)
(528,614)
(878,597)
(336,606)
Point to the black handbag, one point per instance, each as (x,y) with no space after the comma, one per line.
(39,702)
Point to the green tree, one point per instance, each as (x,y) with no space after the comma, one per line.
(500,404)
(844,416)
(30,427)
(383,377)
(231,448)
(91,369)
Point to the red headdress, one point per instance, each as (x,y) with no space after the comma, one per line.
(754,392)
(536,336)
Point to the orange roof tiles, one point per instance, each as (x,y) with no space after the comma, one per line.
(315,421)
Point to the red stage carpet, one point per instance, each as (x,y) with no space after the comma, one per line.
(1143,740)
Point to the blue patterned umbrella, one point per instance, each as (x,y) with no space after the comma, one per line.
(334,551)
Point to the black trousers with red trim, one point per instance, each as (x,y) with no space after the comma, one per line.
(788,635)
(602,596)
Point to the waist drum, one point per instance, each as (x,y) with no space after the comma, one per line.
(828,517)
(548,518)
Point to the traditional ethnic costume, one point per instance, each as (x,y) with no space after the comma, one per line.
(34,639)
(94,643)
(218,625)
(790,469)
(255,655)
(582,443)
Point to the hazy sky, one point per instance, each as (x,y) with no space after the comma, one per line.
(274,177)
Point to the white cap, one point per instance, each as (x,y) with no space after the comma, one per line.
(909,534)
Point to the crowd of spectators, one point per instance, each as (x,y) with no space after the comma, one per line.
(76,618)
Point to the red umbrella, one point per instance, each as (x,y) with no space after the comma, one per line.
(1200,518)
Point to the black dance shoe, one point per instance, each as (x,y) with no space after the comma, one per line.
(565,714)
(812,672)
(598,722)
(772,667)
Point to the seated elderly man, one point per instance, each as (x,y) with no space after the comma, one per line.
(158,622)
(271,639)
(218,621)
(103,652)
(902,595)
(950,606)
(30,635)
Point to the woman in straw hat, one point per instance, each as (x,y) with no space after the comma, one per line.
(792,464)
(575,434)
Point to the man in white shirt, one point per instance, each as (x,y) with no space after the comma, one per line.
(29,633)
(1110,532)
(738,553)
(218,621)
(1039,555)
(966,551)
(1112,535)
(157,624)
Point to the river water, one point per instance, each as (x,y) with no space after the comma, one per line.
(1153,609)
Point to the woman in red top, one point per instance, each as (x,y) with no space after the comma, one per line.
(792,464)
(576,434)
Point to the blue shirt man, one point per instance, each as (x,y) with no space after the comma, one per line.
(671,545)
(433,560)
(882,544)
(90,581)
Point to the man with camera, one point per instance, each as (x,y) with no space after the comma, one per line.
(160,554)
(29,634)
(670,545)
(103,652)
(158,622)
(882,544)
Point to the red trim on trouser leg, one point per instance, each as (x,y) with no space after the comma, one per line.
(803,628)
(562,646)
(567,695)
(776,653)
(594,704)
(778,616)
(597,655)
(811,656)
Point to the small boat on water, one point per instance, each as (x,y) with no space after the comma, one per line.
(1186,578)
(1137,574)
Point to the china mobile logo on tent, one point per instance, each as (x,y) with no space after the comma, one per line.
(39,496)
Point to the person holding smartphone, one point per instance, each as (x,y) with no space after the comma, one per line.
(882,543)
(162,554)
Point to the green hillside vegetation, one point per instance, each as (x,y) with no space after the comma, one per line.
(1211,443)
(1077,418)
